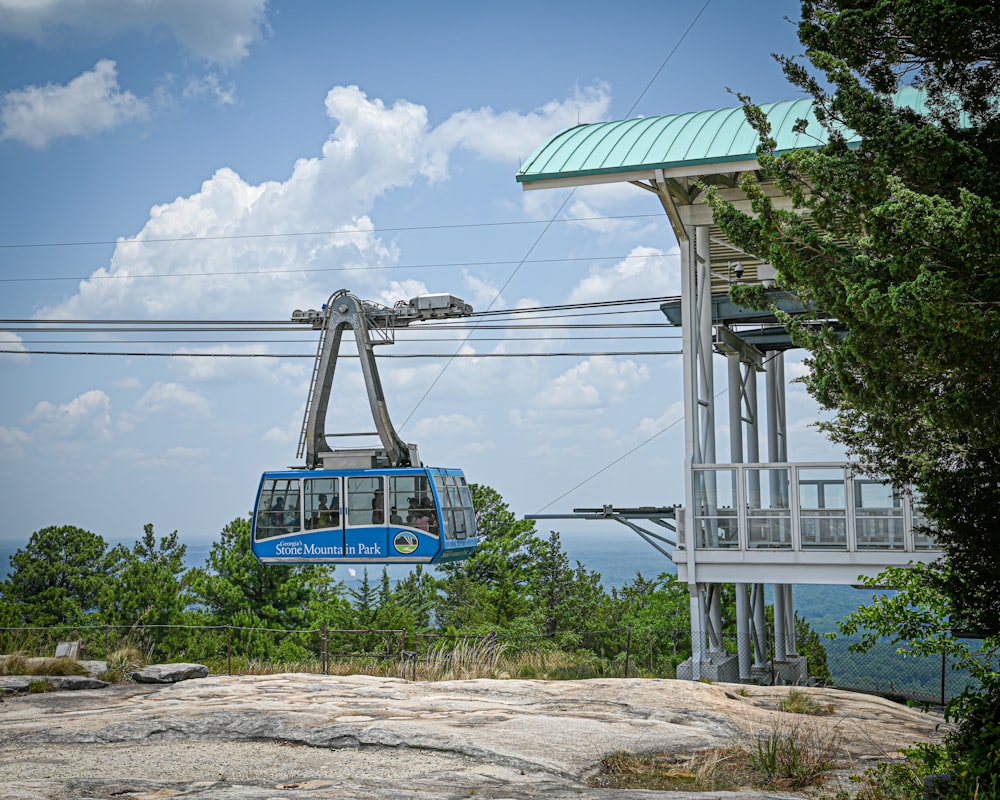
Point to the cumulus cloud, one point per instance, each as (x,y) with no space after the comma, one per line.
(220,31)
(88,414)
(12,440)
(209,86)
(167,396)
(645,272)
(14,344)
(445,426)
(673,416)
(89,104)
(593,383)
(235,225)
(188,453)
(509,135)
(230,362)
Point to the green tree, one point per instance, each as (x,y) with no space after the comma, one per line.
(897,237)
(365,604)
(235,583)
(57,578)
(418,594)
(148,584)
(487,589)
(566,600)
(657,613)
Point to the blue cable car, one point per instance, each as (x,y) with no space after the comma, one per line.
(336,516)
(358,505)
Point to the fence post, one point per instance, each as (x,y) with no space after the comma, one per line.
(229,650)
(416,653)
(324,650)
(107,640)
(628,648)
(944,657)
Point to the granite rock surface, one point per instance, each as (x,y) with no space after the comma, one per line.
(303,735)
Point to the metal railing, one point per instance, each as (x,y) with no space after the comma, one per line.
(800,507)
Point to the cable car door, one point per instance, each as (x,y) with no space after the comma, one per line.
(323,517)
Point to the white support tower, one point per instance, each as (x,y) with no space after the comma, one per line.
(745,521)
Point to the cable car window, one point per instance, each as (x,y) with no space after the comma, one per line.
(468,508)
(412,503)
(365,501)
(322,502)
(278,509)
(452,507)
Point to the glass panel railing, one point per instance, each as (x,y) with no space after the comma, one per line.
(878,515)
(716,524)
(822,508)
(769,518)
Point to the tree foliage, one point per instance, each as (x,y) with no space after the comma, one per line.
(235,582)
(898,238)
(148,584)
(57,578)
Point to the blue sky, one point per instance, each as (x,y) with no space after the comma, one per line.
(307,147)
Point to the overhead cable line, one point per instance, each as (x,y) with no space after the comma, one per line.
(448,356)
(605,338)
(306,270)
(294,234)
(283,324)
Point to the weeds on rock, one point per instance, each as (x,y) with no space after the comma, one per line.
(122,663)
(797,702)
(775,759)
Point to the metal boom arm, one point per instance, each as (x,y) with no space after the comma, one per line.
(344,310)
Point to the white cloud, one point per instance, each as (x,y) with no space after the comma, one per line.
(211,87)
(165,397)
(230,362)
(11,341)
(669,419)
(485,295)
(88,414)
(11,441)
(593,383)
(645,272)
(282,435)
(220,31)
(511,136)
(168,397)
(374,148)
(594,208)
(89,104)
(444,427)
(128,382)
(188,453)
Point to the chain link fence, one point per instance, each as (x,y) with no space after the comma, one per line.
(619,652)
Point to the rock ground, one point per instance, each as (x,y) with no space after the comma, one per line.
(301,735)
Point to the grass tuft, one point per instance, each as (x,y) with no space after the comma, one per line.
(776,759)
(797,702)
(122,663)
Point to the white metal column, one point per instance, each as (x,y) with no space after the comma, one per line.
(699,413)
(737,396)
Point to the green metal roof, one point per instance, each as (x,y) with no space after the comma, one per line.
(677,140)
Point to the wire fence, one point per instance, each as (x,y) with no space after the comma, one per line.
(619,652)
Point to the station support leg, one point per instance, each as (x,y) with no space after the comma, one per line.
(743,636)
(780,618)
